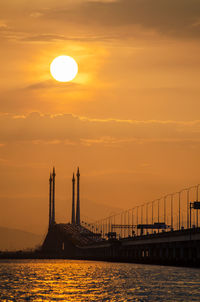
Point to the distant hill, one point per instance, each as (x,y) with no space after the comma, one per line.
(13,239)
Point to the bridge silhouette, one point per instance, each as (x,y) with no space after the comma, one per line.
(171,212)
(165,230)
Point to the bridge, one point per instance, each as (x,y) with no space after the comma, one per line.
(165,230)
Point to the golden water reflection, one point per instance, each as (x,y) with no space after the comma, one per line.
(67,280)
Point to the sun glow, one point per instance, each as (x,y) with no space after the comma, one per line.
(64,69)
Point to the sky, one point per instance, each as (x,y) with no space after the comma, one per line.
(130,119)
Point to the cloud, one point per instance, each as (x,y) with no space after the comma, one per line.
(51,84)
(3,26)
(168,17)
(23,36)
(48,37)
(108,20)
(36,15)
(72,130)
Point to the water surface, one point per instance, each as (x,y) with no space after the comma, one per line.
(71,280)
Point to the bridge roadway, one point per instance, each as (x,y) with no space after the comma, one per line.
(167,248)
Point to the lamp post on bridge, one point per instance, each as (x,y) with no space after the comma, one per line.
(158,211)
(133,222)
(164,209)
(197,199)
(128,222)
(179,210)
(137,218)
(172,199)
(188,200)
(164,200)
(189,205)
(141,214)
(179,207)
(147,216)
(124,224)
(147,204)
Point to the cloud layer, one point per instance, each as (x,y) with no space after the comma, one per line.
(180,18)
(72,129)
(107,20)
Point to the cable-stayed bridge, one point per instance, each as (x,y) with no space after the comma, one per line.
(165,230)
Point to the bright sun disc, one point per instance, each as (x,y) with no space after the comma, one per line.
(64,68)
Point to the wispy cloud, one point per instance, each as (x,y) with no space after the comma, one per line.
(50,84)
(3,25)
(69,129)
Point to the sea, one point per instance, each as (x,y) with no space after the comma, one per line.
(76,280)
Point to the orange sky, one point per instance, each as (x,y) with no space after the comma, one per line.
(130,119)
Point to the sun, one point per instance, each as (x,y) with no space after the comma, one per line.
(64,69)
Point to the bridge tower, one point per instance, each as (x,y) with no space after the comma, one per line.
(73,200)
(78,198)
(50,200)
(53,193)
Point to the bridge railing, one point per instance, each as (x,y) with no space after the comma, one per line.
(167,213)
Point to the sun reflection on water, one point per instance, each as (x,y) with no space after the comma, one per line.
(64,280)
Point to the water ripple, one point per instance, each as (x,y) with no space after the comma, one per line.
(67,280)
